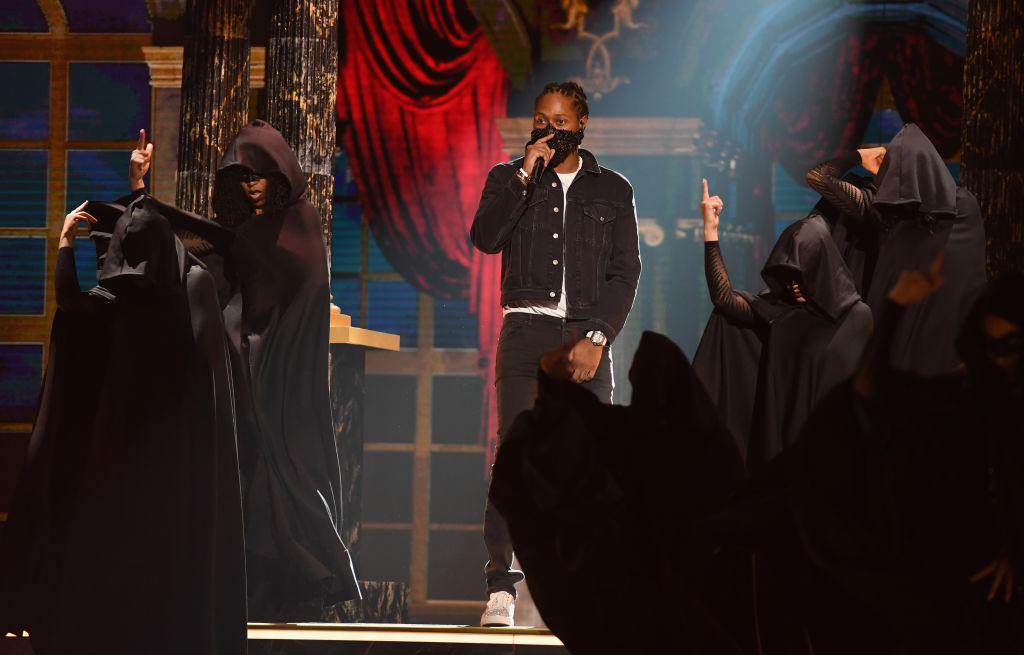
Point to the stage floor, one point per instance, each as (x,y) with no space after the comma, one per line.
(399,639)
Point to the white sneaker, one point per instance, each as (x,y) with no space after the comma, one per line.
(500,607)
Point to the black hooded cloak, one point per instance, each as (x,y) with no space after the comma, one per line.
(126,528)
(926,212)
(766,360)
(904,490)
(916,211)
(594,516)
(277,320)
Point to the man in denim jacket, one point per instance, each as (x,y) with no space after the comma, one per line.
(570,262)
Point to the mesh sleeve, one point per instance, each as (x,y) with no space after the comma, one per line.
(825,179)
(727,301)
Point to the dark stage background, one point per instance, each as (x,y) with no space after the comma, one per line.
(748,93)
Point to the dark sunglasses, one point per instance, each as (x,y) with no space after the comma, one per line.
(252,176)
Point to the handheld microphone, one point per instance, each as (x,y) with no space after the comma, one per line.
(538,169)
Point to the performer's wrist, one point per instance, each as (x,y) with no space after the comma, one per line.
(523,176)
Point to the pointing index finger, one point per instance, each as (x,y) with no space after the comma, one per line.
(705,195)
(142,140)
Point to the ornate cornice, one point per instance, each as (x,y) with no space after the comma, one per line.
(165,66)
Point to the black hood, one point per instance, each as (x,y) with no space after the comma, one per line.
(261,148)
(913,178)
(661,376)
(806,254)
(144,252)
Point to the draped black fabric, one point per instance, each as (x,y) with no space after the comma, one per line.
(605,501)
(128,508)
(766,376)
(278,324)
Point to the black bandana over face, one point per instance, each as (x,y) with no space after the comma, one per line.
(562,143)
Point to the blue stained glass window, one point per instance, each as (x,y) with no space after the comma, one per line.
(23,188)
(346,237)
(393,309)
(344,182)
(22,275)
(119,16)
(107,102)
(375,259)
(96,175)
(454,326)
(25,110)
(22,16)
(21,366)
(345,294)
(85,262)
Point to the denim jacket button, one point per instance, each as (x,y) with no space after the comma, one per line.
(554,184)
(555,235)
(556,211)
(552,294)
(555,262)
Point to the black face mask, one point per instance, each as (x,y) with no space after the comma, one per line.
(562,143)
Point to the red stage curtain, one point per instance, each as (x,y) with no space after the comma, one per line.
(927,85)
(818,112)
(420,89)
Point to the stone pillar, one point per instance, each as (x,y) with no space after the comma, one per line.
(993,127)
(214,94)
(302,81)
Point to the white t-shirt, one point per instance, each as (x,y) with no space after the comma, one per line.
(550,308)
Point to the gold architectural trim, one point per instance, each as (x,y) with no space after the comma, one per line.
(658,136)
(402,633)
(165,66)
(56,18)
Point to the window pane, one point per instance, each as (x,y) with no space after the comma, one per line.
(23,188)
(455,568)
(390,408)
(22,16)
(384,555)
(96,175)
(129,16)
(25,111)
(455,418)
(454,326)
(346,237)
(345,294)
(458,487)
(375,259)
(21,367)
(392,309)
(107,102)
(22,275)
(387,487)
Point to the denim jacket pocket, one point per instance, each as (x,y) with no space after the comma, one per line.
(593,245)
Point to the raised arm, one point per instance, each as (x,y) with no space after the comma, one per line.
(848,198)
(66,276)
(725,300)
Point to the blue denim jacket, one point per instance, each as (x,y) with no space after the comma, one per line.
(599,246)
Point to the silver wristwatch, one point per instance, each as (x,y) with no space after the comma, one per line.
(597,338)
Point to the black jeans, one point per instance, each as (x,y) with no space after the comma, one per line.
(522,341)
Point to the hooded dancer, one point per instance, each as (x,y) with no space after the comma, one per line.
(908,489)
(277,319)
(126,529)
(570,262)
(917,211)
(768,359)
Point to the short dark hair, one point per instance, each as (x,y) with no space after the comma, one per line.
(571,90)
